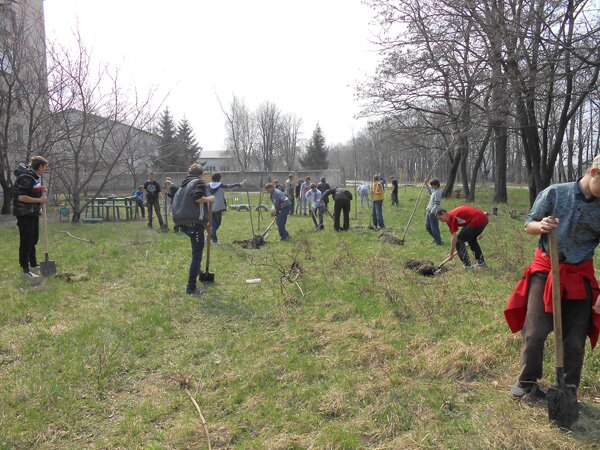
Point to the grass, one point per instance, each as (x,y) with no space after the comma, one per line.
(372,356)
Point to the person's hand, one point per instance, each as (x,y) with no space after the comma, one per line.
(43,199)
(451,256)
(210,199)
(548,224)
(44,188)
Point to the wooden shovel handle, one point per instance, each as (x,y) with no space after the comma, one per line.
(209,239)
(556,306)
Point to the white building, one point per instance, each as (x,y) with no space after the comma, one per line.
(215,161)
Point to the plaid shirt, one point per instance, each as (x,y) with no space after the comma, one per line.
(579,228)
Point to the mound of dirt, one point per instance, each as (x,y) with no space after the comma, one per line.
(257,242)
(388,238)
(424,267)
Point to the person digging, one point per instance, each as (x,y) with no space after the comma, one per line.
(316,206)
(190,214)
(341,203)
(572,210)
(473,222)
(282,207)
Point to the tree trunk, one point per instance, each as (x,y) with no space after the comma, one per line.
(7,190)
(500,148)
(447,193)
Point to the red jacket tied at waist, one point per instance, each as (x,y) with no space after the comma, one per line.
(572,288)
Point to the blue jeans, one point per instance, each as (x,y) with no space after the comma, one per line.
(217,217)
(378,213)
(196,235)
(433,227)
(282,220)
(364,198)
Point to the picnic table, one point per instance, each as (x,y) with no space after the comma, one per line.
(101,207)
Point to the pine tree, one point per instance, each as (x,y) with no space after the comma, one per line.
(167,160)
(316,152)
(187,145)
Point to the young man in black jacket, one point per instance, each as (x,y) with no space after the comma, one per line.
(341,202)
(152,193)
(190,214)
(27,206)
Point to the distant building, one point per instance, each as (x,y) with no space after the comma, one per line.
(215,161)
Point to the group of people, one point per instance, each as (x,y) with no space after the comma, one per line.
(572,210)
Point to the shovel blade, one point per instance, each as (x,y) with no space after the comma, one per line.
(563,409)
(47,268)
(207,277)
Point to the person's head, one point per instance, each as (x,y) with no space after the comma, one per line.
(376,178)
(151,176)
(435,183)
(38,164)
(299,181)
(442,215)
(140,188)
(168,182)
(313,187)
(594,174)
(275,182)
(291,176)
(195,170)
(269,187)
(322,179)
(307,179)
(216,177)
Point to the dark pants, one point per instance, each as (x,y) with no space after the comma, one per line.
(282,220)
(469,235)
(217,217)
(340,206)
(378,213)
(292,196)
(140,205)
(29,232)
(432,225)
(313,213)
(196,235)
(395,198)
(156,205)
(576,317)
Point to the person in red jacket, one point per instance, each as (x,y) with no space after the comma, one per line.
(573,210)
(473,222)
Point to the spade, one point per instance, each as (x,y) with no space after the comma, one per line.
(47,266)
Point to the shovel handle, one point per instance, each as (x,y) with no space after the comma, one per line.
(208,237)
(45,211)
(556,306)
(443,263)
(269,227)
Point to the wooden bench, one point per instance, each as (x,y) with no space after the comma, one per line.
(101,207)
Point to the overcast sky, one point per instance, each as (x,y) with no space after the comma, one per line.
(305,56)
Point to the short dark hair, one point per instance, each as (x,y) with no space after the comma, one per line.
(268,186)
(439,212)
(313,186)
(216,176)
(37,161)
(435,182)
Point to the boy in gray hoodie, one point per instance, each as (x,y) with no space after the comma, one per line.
(218,189)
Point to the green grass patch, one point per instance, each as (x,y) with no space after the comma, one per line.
(351,351)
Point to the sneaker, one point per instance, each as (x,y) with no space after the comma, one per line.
(468,268)
(196,291)
(527,388)
(30,275)
(34,269)
(215,242)
(482,265)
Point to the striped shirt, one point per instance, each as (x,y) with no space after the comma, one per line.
(579,227)
(435,200)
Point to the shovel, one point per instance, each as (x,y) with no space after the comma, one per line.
(47,266)
(206,276)
(266,232)
(438,269)
(562,398)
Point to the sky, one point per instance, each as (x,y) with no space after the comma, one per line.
(304,56)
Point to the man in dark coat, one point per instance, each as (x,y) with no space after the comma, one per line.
(341,202)
(27,206)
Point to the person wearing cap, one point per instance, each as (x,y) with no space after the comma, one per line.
(282,207)
(472,221)
(573,211)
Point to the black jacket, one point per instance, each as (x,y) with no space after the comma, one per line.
(185,209)
(27,183)
(338,194)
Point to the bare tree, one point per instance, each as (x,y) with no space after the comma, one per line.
(97,120)
(268,119)
(241,132)
(289,137)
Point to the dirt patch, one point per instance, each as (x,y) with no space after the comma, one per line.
(424,267)
(389,239)
(70,277)
(257,242)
